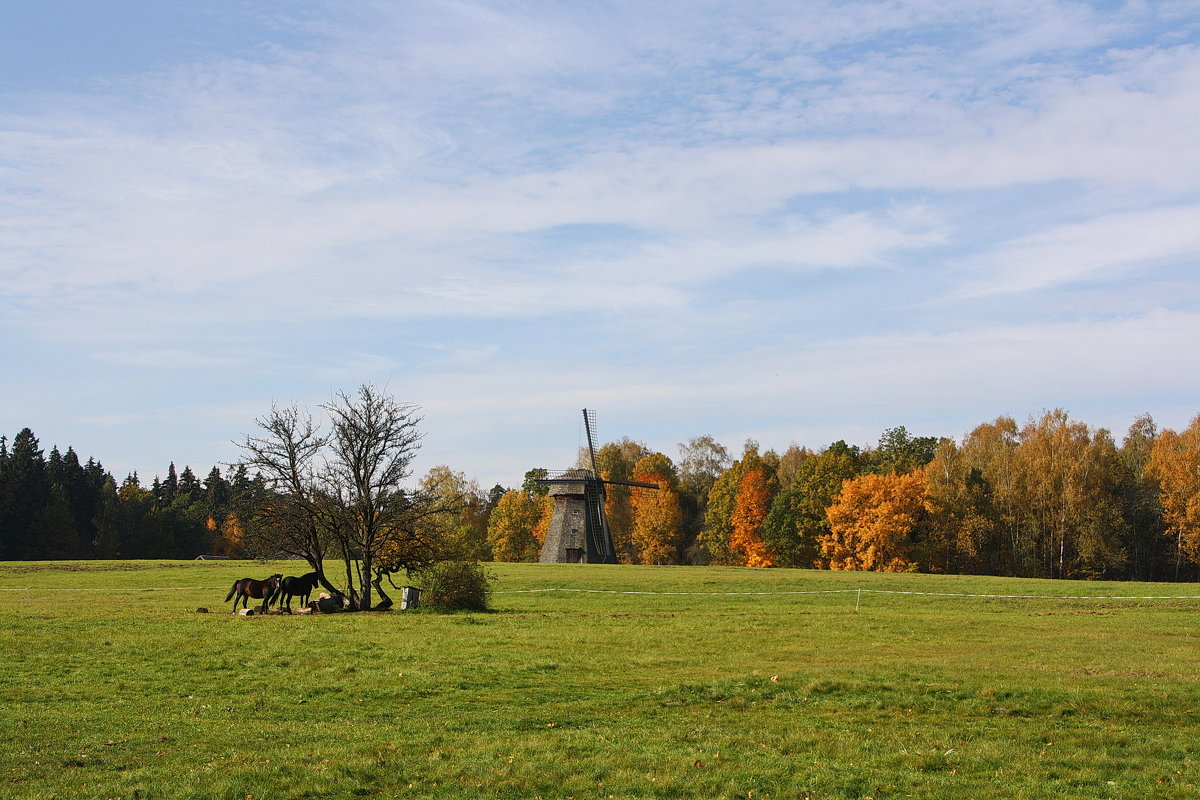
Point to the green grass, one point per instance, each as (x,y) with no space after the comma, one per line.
(110,690)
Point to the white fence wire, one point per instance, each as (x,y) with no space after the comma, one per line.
(858,592)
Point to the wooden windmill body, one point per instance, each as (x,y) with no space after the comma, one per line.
(578,531)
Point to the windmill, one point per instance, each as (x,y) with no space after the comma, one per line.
(578,532)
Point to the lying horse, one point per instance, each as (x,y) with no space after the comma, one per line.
(296,587)
(246,588)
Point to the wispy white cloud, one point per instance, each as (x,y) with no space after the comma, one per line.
(1108,246)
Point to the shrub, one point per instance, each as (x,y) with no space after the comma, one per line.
(455,586)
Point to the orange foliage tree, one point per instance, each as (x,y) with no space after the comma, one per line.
(1175,463)
(657,515)
(872,522)
(750,510)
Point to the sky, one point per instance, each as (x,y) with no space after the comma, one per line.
(792,222)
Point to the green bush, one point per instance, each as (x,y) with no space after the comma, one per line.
(455,586)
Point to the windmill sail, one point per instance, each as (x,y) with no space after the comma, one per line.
(600,537)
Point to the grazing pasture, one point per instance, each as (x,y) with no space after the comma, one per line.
(113,686)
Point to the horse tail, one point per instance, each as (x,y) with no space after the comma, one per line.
(232,591)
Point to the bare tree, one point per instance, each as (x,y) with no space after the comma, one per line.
(294,515)
(341,494)
(372,444)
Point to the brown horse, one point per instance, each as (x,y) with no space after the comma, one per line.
(246,588)
(296,587)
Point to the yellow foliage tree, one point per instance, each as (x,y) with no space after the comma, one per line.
(232,537)
(750,510)
(872,521)
(511,525)
(657,514)
(462,531)
(1175,463)
(545,504)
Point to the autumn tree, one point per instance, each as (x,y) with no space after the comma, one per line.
(1066,477)
(717,534)
(511,525)
(1174,463)
(874,523)
(750,508)
(615,461)
(796,521)
(962,530)
(1042,500)
(991,450)
(541,530)
(657,516)
(462,530)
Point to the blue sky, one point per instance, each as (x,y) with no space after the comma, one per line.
(796,222)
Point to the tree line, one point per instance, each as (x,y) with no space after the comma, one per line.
(54,507)
(1050,498)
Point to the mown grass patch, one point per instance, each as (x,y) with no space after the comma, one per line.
(113,686)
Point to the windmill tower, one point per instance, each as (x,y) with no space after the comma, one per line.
(578,532)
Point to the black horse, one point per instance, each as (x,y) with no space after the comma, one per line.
(296,587)
(246,588)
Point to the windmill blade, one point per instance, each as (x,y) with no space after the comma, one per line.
(589,422)
(632,483)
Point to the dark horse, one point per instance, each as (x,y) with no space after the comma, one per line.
(296,587)
(246,588)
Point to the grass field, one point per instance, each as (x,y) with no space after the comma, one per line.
(108,689)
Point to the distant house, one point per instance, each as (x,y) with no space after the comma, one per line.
(212,558)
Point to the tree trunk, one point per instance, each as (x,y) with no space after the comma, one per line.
(365,582)
(385,602)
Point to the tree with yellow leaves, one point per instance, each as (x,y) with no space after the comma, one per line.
(657,515)
(545,504)
(462,531)
(873,521)
(1175,463)
(228,538)
(510,527)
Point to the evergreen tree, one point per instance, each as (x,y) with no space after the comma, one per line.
(28,492)
(5,499)
(164,493)
(188,485)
